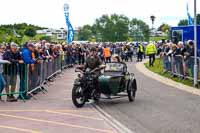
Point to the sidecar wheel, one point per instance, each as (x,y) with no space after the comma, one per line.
(78,98)
(131,90)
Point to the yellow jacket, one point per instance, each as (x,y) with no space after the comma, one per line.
(140,48)
(151,49)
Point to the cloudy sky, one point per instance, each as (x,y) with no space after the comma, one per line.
(49,13)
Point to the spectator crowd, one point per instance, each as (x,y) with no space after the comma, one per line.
(14,57)
(176,58)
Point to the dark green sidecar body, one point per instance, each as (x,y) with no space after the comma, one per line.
(115,79)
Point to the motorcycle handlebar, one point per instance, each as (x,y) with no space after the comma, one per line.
(97,69)
(92,71)
(78,70)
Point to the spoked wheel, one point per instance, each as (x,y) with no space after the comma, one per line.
(131,90)
(78,96)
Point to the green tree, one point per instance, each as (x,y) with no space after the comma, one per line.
(31,32)
(7,32)
(184,22)
(164,28)
(112,28)
(85,33)
(139,30)
(47,38)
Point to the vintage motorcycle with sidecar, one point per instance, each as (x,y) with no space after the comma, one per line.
(115,82)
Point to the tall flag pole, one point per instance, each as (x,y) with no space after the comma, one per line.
(195,45)
(70,33)
(190,20)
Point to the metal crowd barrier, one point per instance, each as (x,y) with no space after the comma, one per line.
(183,68)
(177,66)
(16,79)
(26,79)
(42,73)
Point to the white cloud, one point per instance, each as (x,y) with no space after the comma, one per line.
(49,13)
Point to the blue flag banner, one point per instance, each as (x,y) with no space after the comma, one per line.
(190,20)
(70,37)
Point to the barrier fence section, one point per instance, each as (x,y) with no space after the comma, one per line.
(180,66)
(9,79)
(22,79)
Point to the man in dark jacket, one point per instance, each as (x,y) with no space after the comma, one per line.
(10,70)
(189,57)
(92,62)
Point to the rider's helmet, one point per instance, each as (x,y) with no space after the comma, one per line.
(93,49)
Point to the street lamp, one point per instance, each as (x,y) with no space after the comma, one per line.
(195,45)
(152,17)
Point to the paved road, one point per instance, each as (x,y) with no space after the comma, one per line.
(52,112)
(158,108)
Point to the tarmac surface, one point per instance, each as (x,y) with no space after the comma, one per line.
(52,112)
(158,108)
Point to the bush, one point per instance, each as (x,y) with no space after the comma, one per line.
(31,32)
(47,38)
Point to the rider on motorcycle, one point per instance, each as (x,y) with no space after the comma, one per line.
(93,61)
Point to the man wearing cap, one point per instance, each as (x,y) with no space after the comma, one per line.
(10,70)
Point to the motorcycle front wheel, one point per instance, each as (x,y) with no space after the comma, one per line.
(78,97)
